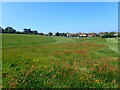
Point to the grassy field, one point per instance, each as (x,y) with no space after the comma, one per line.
(34,61)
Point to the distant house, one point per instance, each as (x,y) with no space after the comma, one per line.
(92,34)
(71,34)
(82,34)
(54,34)
(68,34)
(101,33)
(115,34)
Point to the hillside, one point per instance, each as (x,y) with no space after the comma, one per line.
(19,40)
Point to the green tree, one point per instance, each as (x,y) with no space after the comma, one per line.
(34,32)
(109,35)
(27,30)
(50,33)
(10,30)
(57,34)
(2,30)
(61,34)
(65,34)
(41,33)
(17,32)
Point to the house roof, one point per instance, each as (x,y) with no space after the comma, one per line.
(102,33)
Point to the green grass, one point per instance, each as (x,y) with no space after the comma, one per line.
(33,61)
(16,40)
(62,39)
(113,44)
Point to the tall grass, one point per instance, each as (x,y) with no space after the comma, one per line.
(74,64)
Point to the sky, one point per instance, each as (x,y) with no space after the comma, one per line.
(60,0)
(73,17)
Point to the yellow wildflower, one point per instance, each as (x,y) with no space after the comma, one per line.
(96,80)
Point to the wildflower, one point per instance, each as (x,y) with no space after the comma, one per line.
(115,58)
(11,84)
(58,72)
(37,60)
(33,66)
(96,80)
(2,86)
(81,78)
(38,69)
(31,70)
(41,74)
(113,81)
(21,78)
(22,70)
(50,82)
(23,81)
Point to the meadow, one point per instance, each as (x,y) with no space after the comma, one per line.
(35,61)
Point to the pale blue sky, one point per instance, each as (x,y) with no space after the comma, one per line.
(61,16)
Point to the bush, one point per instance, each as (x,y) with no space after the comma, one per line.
(17,32)
(108,35)
(23,33)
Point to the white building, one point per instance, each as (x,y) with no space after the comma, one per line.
(54,34)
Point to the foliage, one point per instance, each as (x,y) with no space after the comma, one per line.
(9,30)
(63,34)
(41,33)
(57,34)
(2,30)
(18,32)
(26,31)
(109,35)
(29,31)
(34,32)
(50,33)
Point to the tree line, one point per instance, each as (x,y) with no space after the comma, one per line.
(111,35)
(12,30)
(35,32)
(28,31)
(57,34)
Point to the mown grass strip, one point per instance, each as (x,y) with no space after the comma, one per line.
(113,44)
